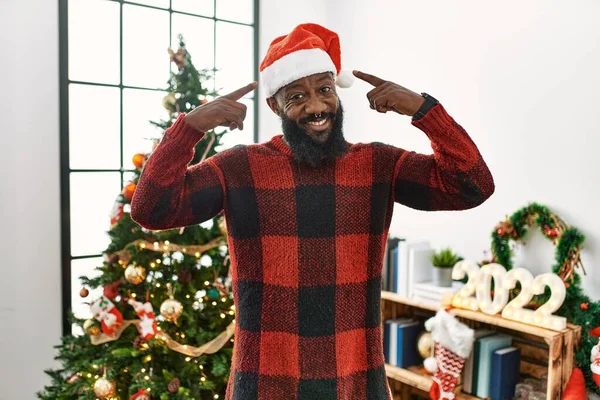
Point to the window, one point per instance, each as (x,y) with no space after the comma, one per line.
(113,75)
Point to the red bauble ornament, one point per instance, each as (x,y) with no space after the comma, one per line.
(141,394)
(567,284)
(129,190)
(84,292)
(500,232)
(139,159)
(584,306)
(551,232)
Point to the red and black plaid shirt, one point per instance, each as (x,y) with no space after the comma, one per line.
(307,246)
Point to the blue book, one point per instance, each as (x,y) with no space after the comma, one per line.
(394,268)
(474,367)
(473,359)
(390,339)
(408,354)
(488,345)
(506,364)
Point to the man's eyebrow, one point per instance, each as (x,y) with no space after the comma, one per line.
(293,86)
(325,77)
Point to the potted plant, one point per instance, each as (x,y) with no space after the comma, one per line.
(443,261)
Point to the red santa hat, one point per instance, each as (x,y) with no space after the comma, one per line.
(307,50)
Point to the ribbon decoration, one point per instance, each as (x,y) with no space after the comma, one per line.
(207,348)
(197,250)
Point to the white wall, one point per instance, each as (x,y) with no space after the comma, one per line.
(521,77)
(30,301)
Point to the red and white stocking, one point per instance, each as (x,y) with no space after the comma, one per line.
(105,312)
(147,324)
(449,366)
(595,367)
(453,344)
(116,213)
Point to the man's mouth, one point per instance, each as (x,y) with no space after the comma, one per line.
(318,123)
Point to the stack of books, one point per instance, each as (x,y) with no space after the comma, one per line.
(406,263)
(428,293)
(493,356)
(400,342)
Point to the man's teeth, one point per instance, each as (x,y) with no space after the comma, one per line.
(318,123)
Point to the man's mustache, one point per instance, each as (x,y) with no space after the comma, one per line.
(313,117)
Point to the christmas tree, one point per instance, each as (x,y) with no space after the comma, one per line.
(163,326)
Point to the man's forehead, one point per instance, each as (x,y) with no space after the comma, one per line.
(316,78)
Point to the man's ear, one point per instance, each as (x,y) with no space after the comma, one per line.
(273,105)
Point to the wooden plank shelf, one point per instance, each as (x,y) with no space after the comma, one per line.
(493,320)
(412,376)
(544,350)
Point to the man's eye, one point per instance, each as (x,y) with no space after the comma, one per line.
(297,96)
(325,89)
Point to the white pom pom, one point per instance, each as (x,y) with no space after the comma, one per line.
(430,364)
(595,352)
(345,78)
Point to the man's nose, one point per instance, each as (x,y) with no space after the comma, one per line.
(314,105)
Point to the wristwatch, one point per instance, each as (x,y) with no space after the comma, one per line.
(430,101)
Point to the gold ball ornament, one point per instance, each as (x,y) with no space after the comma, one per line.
(169,102)
(104,388)
(223,226)
(135,274)
(91,327)
(84,292)
(171,309)
(425,344)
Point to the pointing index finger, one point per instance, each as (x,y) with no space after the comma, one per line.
(241,92)
(372,79)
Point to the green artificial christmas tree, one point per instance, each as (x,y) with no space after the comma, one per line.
(163,327)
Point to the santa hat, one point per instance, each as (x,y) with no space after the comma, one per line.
(307,50)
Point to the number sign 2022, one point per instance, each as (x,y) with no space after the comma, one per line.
(479,282)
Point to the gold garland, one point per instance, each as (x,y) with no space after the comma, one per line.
(197,250)
(207,348)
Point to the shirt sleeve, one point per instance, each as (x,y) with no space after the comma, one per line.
(169,194)
(454,177)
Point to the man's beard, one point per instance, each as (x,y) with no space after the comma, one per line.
(307,150)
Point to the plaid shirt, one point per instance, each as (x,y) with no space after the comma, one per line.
(307,246)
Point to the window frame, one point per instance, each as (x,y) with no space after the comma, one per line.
(65,168)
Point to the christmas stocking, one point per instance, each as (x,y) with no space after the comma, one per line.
(116,213)
(453,344)
(595,356)
(105,312)
(595,367)
(147,324)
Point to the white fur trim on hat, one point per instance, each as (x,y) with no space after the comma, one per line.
(294,66)
(451,333)
(345,78)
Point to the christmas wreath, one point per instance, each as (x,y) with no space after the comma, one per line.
(568,242)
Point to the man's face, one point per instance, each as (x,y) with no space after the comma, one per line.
(312,103)
(312,118)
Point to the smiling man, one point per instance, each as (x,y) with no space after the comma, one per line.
(308,216)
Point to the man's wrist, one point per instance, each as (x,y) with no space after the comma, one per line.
(427,105)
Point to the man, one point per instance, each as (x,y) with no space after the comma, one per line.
(308,216)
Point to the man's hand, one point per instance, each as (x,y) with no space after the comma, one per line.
(223,111)
(388,96)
